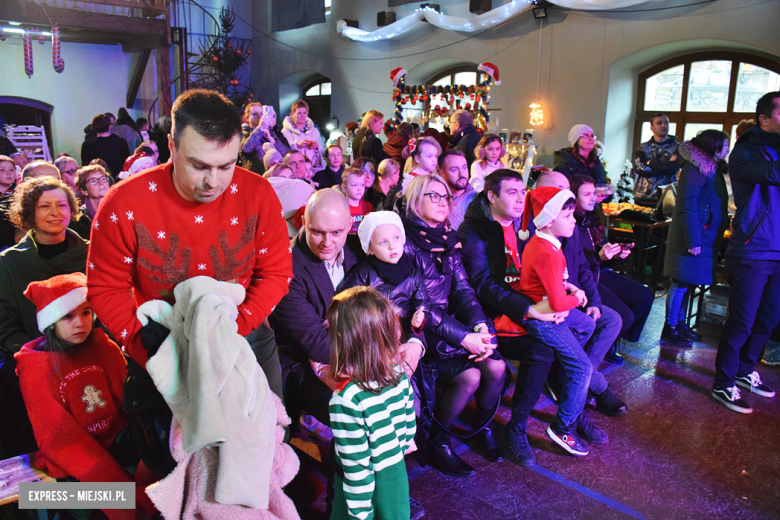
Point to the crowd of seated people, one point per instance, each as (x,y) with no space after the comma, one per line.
(468,269)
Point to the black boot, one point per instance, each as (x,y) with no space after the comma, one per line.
(613,356)
(486,439)
(442,457)
(686,331)
(674,336)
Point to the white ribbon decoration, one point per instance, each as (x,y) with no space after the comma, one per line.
(480,22)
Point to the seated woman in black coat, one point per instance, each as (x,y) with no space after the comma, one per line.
(581,158)
(461,344)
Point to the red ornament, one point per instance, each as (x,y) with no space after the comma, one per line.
(215,58)
(479,98)
(249,51)
(468,106)
(230,45)
(238,51)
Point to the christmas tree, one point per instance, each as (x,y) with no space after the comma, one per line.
(625,186)
(221,57)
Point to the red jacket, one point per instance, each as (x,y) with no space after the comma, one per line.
(75,407)
(146,239)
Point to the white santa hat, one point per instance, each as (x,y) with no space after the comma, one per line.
(396,74)
(56,297)
(374,220)
(491,70)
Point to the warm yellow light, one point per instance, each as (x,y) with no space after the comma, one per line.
(537,114)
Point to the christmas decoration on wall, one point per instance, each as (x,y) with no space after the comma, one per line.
(56,60)
(537,114)
(454,95)
(28,58)
(429,15)
(221,58)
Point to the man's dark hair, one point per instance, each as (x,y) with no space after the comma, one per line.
(110,116)
(493,180)
(658,114)
(141,122)
(448,153)
(710,141)
(766,105)
(209,113)
(100,124)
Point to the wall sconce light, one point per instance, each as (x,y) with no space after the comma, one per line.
(537,114)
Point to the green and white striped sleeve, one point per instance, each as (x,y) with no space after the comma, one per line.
(353,452)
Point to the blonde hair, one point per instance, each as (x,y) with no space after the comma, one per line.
(415,192)
(369,118)
(276,170)
(419,144)
(351,171)
(365,335)
(385,165)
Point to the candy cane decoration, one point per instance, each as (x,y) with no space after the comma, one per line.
(28,59)
(59,63)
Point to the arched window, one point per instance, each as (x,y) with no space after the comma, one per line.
(420,111)
(704,90)
(317,95)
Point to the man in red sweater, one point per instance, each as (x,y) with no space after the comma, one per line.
(197,215)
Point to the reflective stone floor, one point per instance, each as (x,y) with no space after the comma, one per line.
(676,454)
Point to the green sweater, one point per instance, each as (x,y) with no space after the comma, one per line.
(21,265)
(372,434)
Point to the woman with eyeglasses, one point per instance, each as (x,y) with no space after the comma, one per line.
(92,182)
(460,344)
(581,157)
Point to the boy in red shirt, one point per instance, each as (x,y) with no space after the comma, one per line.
(353,183)
(544,276)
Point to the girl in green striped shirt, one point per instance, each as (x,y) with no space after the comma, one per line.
(371,410)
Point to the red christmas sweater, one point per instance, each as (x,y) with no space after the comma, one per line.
(543,274)
(356,214)
(146,239)
(75,407)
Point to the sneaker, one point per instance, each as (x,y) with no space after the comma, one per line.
(590,432)
(517,448)
(416,509)
(568,439)
(671,334)
(686,331)
(771,354)
(607,403)
(753,383)
(730,398)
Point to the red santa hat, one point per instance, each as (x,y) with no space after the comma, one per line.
(545,203)
(136,163)
(491,70)
(396,74)
(56,297)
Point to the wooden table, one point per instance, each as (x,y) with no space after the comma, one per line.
(647,236)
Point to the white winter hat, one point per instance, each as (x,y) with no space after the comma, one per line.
(576,132)
(374,220)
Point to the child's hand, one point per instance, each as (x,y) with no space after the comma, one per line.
(580,294)
(418,319)
(410,354)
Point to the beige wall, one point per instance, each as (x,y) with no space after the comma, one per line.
(589,60)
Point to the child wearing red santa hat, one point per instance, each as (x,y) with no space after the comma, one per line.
(71,380)
(544,276)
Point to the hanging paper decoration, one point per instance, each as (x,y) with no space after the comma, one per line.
(28,59)
(57,61)
(537,114)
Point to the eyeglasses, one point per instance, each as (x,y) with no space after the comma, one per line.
(97,180)
(436,198)
(70,172)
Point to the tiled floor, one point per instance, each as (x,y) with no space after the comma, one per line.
(676,454)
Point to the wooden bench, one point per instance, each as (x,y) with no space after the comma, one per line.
(16,470)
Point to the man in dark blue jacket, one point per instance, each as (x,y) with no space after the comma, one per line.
(752,258)
(491,252)
(463,135)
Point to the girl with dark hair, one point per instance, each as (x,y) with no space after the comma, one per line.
(71,379)
(700,218)
(581,157)
(372,409)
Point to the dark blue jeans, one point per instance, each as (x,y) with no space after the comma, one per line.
(632,300)
(535,359)
(568,340)
(754,312)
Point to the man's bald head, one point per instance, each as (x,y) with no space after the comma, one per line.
(37,169)
(326,222)
(554,179)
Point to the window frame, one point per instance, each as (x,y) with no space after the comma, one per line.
(310,86)
(729,118)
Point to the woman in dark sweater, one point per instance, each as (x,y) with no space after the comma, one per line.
(581,158)
(460,343)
